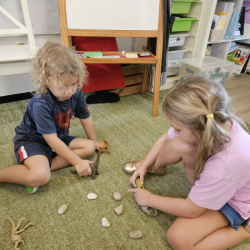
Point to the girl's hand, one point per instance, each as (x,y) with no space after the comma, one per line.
(83,168)
(141,196)
(141,171)
(98,145)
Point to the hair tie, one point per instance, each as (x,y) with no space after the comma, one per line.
(210,116)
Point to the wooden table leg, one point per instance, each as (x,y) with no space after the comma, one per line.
(159,48)
(144,85)
(156,94)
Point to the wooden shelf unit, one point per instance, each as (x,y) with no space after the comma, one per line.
(140,60)
(67,34)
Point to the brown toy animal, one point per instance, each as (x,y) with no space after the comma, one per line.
(15,238)
(94,166)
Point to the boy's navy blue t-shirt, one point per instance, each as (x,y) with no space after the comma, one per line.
(46,115)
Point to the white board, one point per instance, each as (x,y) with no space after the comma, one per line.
(113,14)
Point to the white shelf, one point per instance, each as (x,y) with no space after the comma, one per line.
(15,53)
(230,40)
(10,53)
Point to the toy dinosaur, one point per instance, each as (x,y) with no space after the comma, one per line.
(15,238)
(148,210)
(94,166)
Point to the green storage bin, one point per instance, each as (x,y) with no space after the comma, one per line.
(182,6)
(183,24)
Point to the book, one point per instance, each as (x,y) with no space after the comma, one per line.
(222,20)
(229,11)
(246,66)
(239,56)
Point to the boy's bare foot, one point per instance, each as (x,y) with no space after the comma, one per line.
(131,166)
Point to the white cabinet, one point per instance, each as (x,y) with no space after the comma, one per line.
(220,48)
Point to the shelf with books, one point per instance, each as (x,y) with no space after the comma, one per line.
(233,39)
(222,47)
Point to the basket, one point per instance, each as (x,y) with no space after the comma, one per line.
(182,6)
(183,24)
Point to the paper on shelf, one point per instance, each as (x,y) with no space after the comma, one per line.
(92,54)
(222,21)
(131,55)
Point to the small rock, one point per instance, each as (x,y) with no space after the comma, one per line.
(117,196)
(62,209)
(105,222)
(91,196)
(119,210)
(150,211)
(135,234)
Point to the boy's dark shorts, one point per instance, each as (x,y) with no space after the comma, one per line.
(36,148)
(234,217)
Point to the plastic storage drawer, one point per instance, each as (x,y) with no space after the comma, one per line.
(183,24)
(174,71)
(174,56)
(176,53)
(211,67)
(177,40)
(182,6)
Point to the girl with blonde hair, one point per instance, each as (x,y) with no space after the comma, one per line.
(42,143)
(214,148)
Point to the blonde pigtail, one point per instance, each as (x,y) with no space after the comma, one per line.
(211,142)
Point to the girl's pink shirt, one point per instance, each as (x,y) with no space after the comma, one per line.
(226,175)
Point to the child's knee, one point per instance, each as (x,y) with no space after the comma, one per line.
(91,147)
(174,239)
(39,178)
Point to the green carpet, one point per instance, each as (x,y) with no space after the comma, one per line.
(130,131)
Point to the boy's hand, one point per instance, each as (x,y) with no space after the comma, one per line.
(98,145)
(83,168)
(141,171)
(141,196)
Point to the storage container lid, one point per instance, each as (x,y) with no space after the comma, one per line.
(186,1)
(206,62)
(184,19)
(177,49)
(179,35)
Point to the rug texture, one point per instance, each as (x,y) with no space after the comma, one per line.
(130,130)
